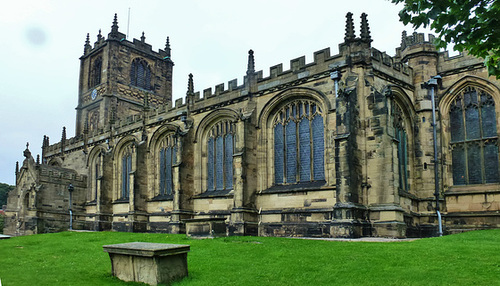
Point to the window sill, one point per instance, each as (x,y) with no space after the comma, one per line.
(91,203)
(162,198)
(121,201)
(299,187)
(473,189)
(215,194)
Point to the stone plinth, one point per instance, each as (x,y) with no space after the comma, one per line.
(151,263)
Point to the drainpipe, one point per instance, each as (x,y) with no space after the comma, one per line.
(336,75)
(432,84)
(70,190)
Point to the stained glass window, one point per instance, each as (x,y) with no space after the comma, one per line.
(279,156)
(305,150)
(220,156)
(96,176)
(318,132)
(401,137)
(298,143)
(126,170)
(168,153)
(474,140)
(210,165)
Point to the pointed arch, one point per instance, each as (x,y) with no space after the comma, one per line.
(404,119)
(125,160)
(140,74)
(448,96)
(95,163)
(294,130)
(290,94)
(216,137)
(470,125)
(165,149)
(212,118)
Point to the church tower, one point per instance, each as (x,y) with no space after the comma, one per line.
(119,78)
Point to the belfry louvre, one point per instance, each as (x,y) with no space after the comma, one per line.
(338,147)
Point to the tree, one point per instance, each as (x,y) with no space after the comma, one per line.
(471,25)
(4,191)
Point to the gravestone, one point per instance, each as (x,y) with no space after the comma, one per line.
(151,263)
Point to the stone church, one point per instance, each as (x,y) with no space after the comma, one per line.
(339,147)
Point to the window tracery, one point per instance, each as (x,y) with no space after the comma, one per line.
(220,149)
(474,139)
(298,143)
(167,159)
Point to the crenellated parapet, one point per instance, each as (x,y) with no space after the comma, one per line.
(391,67)
(415,39)
(115,35)
(62,175)
(416,45)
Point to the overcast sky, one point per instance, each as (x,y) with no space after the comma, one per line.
(42,41)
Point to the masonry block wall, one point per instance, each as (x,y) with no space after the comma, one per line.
(339,147)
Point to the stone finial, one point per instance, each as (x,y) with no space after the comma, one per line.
(87,47)
(251,63)
(63,135)
(167,47)
(365,29)
(27,152)
(349,28)
(114,27)
(99,36)
(190,89)
(17,168)
(403,39)
(38,159)
(115,34)
(143,38)
(63,140)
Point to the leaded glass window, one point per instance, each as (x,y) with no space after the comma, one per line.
(298,143)
(97,164)
(401,136)
(140,74)
(126,162)
(167,159)
(474,140)
(220,150)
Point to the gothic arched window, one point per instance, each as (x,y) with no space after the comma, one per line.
(474,140)
(96,166)
(298,143)
(401,136)
(220,156)
(95,73)
(126,172)
(140,74)
(167,159)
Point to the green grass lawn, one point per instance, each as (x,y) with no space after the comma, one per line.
(71,258)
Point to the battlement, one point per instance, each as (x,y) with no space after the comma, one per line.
(391,62)
(137,44)
(299,69)
(415,39)
(52,174)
